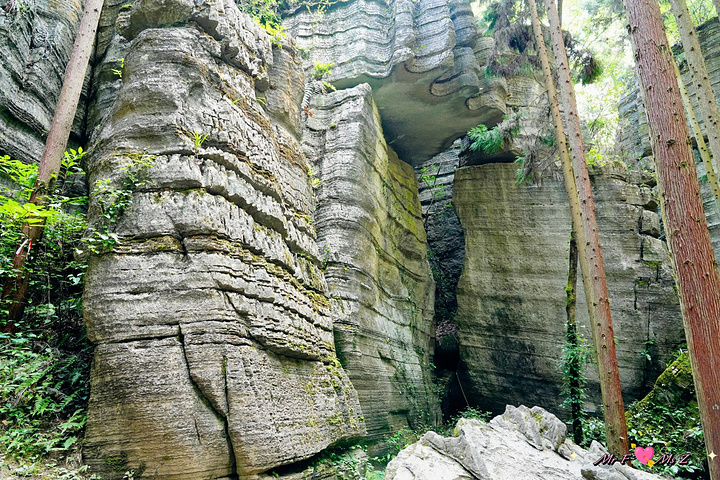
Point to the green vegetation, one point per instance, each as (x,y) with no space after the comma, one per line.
(45,357)
(113,201)
(667,419)
(486,140)
(491,140)
(321,69)
(266,14)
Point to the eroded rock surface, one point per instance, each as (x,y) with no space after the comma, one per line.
(511,297)
(522,443)
(423,59)
(374,250)
(215,355)
(36,39)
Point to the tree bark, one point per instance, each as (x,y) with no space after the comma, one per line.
(591,262)
(696,272)
(698,70)
(15,289)
(699,139)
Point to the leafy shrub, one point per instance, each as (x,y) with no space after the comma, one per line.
(44,362)
(321,69)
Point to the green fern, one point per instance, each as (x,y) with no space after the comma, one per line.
(487,140)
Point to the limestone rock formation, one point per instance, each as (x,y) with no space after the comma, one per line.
(422,58)
(36,39)
(444,232)
(215,355)
(511,298)
(522,443)
(374,252)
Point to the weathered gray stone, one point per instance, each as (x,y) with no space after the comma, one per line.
(421,59)
(511,297)
(654,250)
(502,450)
(650,223)
(215,353)
(374,251)
(36,38)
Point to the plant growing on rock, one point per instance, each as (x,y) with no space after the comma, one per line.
(112,202)
(320,70)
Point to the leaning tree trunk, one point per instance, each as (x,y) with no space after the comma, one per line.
(575,369)
(591,262)
(16,287)
(701,81)
(702,147)
(687,234)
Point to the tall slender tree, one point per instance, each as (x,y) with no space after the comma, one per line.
(15,289)
(574,366)
(696,271)
(701,81)
(699,139)
(591,262)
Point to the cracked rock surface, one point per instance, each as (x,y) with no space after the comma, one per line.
(511,297)
(215,355)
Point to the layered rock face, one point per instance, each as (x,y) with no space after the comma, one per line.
(374,251)
(215,355)
(423,60)
(36,39)
(511,297)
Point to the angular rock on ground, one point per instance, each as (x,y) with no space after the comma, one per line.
(523,443)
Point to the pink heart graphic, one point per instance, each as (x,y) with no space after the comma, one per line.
(644,454)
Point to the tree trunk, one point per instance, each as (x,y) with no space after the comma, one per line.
(15,289)
(574,386)
(591,262)
(702,147)
(696,63)
(694,262)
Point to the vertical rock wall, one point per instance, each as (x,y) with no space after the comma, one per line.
(374,250)
(511,298)
(215,355)
(36,38)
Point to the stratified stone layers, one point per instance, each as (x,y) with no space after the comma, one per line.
(511,297)
(423,59)
(374,248)
(215,355)
(36,39)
